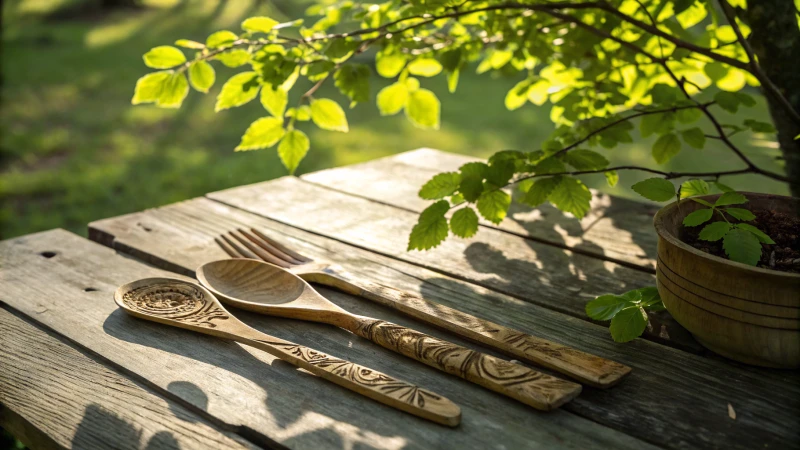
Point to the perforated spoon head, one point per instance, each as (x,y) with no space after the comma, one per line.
(173,302)
(263,287)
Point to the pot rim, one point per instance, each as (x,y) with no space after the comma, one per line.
(661,230)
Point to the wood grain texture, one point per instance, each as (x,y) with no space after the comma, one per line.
(615,228)
(55,396)
(672,399)
(730,307)
(45,277)
(549,276)
(265,288)
(187,305)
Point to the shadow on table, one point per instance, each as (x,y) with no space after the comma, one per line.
(232,357)
(98,423)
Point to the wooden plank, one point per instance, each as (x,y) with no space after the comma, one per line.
(672,398)
(57,397)
(46,278)
(549,276)
(616,229)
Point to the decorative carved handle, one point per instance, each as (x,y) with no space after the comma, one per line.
(584,367)
(513,380)
(370,383)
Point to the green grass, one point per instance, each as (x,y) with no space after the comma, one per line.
(74,150)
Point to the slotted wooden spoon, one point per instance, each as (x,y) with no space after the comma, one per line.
(265,288)
(186,305)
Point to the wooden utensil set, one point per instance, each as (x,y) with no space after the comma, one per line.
(267,277)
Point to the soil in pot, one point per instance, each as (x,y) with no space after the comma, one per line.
(784,229)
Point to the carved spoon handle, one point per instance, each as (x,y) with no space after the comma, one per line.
(362,380)
(589,369)
(528,386)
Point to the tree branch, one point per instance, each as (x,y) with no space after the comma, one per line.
(768,85)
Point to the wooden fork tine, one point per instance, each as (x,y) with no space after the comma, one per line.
(274,251)
(282,247)
(242,252)
(227,247)
(259,251)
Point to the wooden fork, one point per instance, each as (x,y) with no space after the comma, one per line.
(584,367)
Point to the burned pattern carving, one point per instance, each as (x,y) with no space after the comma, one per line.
(177,301)
(397,389)
(518,381)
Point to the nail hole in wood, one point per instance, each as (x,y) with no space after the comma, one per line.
(48,254)
(145,227)
(90,289)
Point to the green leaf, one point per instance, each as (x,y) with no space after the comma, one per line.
(745,99)
(201,76)
(585,160)
(164,57)
(759,127)
(186,43)
(389,65)
(694,137)
(693,187)
(649,295)
(392,98)
(656,124)
(730,198)
(353,81)
(728,101)
(742,246)
(760,235)
(656,189)
(606,307)
(422,109)
(688,115)
(500,171)
(628,324)
(539,192)
(238,90)
(702,202)
(549,165)
(493,205)
(148,88)
(714,231)
(464,223)
(259,24)
(173,91)
(440,186)
(612,177)
(517,95)
(293,149)
(740,213)
(667,146)
(274,100)
(424,67)
(233,58)
(263,133)
(431,228)
(722,187)
(698,217)
(572,196)
(220,39)
(328,115)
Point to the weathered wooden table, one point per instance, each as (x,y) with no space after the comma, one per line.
(76,371)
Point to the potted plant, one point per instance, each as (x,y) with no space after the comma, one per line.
(605,68)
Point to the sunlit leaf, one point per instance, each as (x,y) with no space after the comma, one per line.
(693,187)
(422,109)
(431,228)
(263,133)
(274,100)
(238,90)
(259,24)
(148,88)
(440,186)
(464,222)
(328,115)
(293,149)
(164,57)
(221,39)
(201,76)
(656,189)
(572,196)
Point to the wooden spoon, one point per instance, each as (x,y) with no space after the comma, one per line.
(186,305)
(265,288)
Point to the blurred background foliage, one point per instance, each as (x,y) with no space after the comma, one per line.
(73,149)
